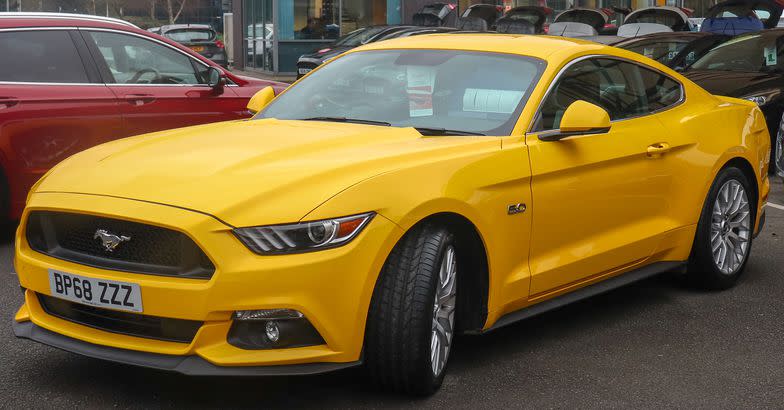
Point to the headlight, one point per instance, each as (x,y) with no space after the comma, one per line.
(762,98)
(757,99)
(303,237)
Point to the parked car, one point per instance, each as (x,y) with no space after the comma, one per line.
(649,20)
(580,22)
(658,19)
(258,40)
(367,218)
(748,67)
(433,14)
(200,38)
(676,50)
(735,17)
(530,19)
(479,17)
(77,81)
(307,62)
(416,31)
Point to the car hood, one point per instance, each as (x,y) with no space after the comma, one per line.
(333,51)
(248,172)
(734,83)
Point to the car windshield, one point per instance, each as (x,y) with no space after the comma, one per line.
(191,35)
(454,92)
(753,53)
(662,51)
(358,37)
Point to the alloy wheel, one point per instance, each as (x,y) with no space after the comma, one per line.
(444,312)
(730,231)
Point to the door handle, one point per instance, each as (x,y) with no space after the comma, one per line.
(8,102)
(658,149)
(139,99)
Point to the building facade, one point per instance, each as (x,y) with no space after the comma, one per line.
(272,34)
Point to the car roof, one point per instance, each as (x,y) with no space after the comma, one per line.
(521,44)
(34,19)
(688,35)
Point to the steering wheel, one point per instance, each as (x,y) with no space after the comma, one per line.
(143,71)
(167,79)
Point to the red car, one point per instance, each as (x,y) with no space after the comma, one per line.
(69,82)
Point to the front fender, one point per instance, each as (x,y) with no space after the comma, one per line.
(478,185)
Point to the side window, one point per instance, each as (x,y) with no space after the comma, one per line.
(660,91)
(134,60)
(40,57)
(623,89)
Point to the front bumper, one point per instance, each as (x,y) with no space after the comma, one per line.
(188,365)
(332,288)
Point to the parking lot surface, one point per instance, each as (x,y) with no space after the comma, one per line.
(652,344)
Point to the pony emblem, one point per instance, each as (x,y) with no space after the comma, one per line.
(109,240)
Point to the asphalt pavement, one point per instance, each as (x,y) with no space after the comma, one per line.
(653,344)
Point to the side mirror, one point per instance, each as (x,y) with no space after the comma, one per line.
(216,80)
(580,118)
(261,99)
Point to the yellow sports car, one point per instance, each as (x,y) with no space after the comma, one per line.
(404,192)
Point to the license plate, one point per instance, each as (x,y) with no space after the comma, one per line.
(304,70)
(95,292)
(197,49)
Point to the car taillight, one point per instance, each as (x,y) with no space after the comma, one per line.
(219,44)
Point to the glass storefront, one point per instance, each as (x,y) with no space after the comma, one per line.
(258,34)
(277,32)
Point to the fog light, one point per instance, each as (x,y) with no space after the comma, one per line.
(273,333)
(272,329)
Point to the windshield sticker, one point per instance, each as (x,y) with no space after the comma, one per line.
(770,55)
(420,91)
(491,101)
(647,52)
(672,51)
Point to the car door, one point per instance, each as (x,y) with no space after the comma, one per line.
(159,86)
(52,105)
(600,201)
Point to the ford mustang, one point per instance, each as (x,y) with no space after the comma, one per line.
(392,198)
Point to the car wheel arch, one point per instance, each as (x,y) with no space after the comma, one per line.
(743,164)
(472,306)
(748,170)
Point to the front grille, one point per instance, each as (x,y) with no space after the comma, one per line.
(131,324)
(148,249)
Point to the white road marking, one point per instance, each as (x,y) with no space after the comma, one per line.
(777,206)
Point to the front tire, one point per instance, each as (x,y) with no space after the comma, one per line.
(411,320)
(724,233)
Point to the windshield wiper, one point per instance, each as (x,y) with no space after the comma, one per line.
(350,120)
(444,131)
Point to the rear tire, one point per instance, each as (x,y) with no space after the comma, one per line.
(722,243)
(411,320)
